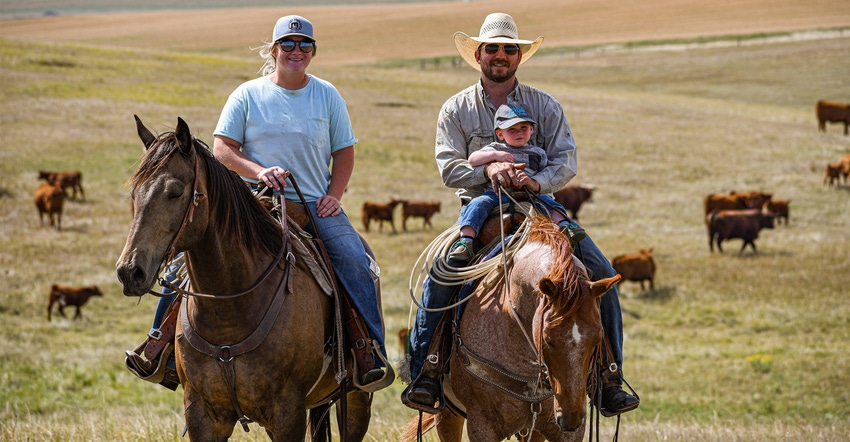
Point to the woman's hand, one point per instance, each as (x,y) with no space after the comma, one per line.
(328,205)
(274,177)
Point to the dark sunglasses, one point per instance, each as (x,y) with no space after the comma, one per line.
(289,46)
(493,48)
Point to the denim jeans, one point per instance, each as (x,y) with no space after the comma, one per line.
(436,295)
(478,209)
(352,266)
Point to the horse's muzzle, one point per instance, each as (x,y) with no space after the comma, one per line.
(565,425)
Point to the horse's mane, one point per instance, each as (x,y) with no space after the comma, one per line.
(233,208)
(563,272)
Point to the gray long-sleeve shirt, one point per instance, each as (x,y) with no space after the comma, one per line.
(465,125)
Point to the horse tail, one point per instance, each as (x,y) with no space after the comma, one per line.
(320,423)
(424,423)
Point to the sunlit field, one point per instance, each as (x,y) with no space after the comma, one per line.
(727,347)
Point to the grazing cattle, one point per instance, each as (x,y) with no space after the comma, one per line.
(743,224)
(69,179)
(68,296)
(379,212)
(572,197)
(832,174)
(779,209)
(844,165)
(402,340)
(636,267)
(49,200)
(424,209)
(833,112)
(735,201)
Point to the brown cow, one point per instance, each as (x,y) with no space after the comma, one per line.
(636,267)
(572,197)
(70,296)
(402,340)
(832,174)
(69,179)
(379,212)
(424,209)
(844,165)
(49,200)
(735,201)
(833,112)
(779,209)
(743,224)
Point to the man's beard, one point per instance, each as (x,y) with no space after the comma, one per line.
(487,71)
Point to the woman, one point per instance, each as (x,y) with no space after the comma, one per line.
(288,120)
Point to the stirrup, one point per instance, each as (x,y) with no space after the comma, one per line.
(162,375)
(441,397)
(383,382)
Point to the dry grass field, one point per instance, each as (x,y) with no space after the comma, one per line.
(668,100)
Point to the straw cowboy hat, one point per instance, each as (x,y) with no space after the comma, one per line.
(497,28)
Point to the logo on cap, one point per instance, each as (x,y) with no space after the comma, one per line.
(294,25)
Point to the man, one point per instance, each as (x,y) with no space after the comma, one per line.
(465,125)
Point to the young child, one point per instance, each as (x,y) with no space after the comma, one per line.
(513,126)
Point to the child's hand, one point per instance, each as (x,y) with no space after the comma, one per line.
(504,157)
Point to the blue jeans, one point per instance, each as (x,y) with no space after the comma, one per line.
(352,266)
(478,209)
(435,296)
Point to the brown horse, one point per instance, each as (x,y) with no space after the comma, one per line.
(185,200)
(524,349)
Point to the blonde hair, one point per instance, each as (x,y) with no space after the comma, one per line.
(269,60)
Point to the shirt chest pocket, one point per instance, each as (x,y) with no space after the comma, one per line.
(479,139)
(319,133)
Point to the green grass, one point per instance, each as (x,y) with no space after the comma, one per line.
(656,131)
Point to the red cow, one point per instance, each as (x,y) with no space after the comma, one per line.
(779,209)
(832,174)
(743,224)
(402,340)
(379,212)
(833,112)
(70,296)
(844,165)
(636,267)
(424,209)
(70,179)
(735,201)
(49,200)
(572,197)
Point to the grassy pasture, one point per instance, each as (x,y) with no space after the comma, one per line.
(727,347)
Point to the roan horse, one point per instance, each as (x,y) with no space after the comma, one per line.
(524,349)
(185,200)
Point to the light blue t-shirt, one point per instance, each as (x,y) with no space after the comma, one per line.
(296,130)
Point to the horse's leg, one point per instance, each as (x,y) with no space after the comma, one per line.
(199,423)
(553,434)
(450,427)
(359,413)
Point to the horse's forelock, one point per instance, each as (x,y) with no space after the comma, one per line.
(563,272)
(156,155)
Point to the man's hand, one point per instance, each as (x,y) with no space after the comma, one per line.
(504,174)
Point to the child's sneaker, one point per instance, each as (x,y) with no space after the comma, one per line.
(573,231)
(461,250)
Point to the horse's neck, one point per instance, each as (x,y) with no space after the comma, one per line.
(490,327)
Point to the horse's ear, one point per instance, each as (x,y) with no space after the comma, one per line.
(147,137)
(184,137)
(599,288)
(547,287)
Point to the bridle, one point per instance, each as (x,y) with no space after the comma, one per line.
(188,217)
